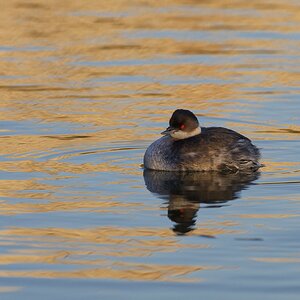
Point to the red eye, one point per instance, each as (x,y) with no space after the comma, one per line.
(182,126)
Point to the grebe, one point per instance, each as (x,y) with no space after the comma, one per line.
(186,146)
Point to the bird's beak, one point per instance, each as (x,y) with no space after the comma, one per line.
(168,131)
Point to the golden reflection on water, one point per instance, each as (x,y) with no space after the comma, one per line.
(53,167)
(136,273)
(105,68)
(9,289)
(85,205)
(269,216)
(44,79)
(277,259)
(110,242)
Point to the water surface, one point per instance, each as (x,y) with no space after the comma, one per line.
(85,88)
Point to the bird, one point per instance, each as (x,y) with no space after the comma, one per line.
(186,146)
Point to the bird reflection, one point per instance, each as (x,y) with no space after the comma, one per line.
(184,191)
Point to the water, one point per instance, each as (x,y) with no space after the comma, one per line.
(85,88)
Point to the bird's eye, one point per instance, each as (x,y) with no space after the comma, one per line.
(182,126)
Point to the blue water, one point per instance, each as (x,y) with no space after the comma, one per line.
(85,88)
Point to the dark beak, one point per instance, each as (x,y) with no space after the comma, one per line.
(168,131)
